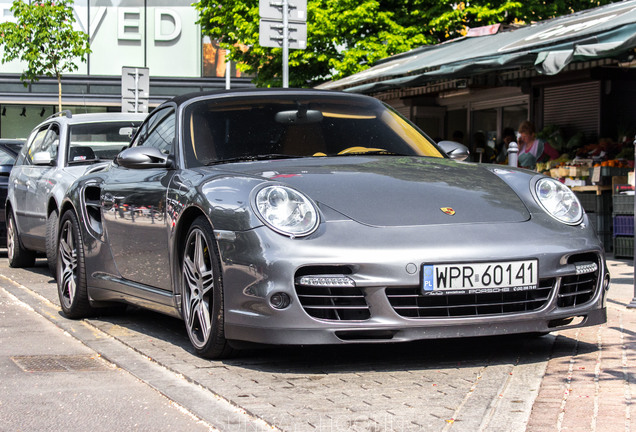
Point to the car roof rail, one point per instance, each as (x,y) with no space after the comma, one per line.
(66,113)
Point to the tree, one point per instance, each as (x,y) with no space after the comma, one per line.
(348,36)
(42,36)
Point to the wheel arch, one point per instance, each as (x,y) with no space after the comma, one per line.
(52,205)
(8,208)
(186,219)
(66,205)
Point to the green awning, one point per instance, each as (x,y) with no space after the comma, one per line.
(548,46)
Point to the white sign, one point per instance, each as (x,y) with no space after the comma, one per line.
(169,46)
(272,9)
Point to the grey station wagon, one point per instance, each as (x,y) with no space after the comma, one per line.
(58,151)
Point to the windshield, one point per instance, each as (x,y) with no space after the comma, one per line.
(260,127)
(99,141)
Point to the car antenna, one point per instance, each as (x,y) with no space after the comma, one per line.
(66,113)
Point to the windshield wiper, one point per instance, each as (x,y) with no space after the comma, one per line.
(374,153)
(85,161)
(249,158)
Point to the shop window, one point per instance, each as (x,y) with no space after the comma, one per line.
(456,126)
(513,116)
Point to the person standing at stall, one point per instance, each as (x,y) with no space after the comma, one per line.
(530,147)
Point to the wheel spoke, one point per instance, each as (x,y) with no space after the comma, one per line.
(207,281)
(190,274)
(68,281)
(204,319)
(191,313)
(199,258)
(66,253)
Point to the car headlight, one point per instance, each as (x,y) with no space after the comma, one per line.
(559,201)
(286,211)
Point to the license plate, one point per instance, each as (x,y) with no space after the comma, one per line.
(476,278)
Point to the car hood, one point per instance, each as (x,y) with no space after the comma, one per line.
(398,191)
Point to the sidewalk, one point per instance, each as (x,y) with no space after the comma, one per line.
(49,381)
(591,384)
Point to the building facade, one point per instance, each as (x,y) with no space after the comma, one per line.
(161,36)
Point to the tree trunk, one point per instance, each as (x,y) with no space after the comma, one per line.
(59,93)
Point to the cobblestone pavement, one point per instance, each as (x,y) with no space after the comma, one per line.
(476,384)
(590,381)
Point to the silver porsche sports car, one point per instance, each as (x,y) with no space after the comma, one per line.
(313,217)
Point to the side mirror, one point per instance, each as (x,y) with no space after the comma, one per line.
(142,157)
(42,158)
(454,150)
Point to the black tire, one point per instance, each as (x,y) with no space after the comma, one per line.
(71,269)
(51,241)
(18,255)
(202,292)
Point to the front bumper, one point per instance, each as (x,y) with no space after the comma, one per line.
(259,263)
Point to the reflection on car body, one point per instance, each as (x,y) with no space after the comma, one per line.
(309,217)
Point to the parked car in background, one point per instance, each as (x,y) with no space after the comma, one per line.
(9,149)
(58,151)
(309,217)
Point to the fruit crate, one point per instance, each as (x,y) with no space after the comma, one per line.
(593,203)
(623,204)
(623,225)
(610,171)
(624,247)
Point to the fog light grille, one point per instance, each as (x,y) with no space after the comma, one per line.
(333,303)
(580,288)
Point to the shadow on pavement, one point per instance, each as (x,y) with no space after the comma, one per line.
(427,354)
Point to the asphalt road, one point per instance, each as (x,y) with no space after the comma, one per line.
(473,384)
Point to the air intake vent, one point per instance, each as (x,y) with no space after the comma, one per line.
(411,303)
(92,207)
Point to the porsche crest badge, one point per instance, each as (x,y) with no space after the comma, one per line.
(449,211)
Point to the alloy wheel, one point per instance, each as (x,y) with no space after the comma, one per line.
(198,288)
(11,238)
(68,264)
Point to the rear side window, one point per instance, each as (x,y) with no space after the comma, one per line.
(6,158)
(99,140)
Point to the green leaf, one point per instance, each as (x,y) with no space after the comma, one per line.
(43,37)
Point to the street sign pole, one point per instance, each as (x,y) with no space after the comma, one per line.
(135,86)
(136,90)
(283,24)
(285,44)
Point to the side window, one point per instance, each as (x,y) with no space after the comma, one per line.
(52,141)
(22,156)
(36,145)
(158,131)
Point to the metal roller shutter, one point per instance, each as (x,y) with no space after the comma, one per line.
(574,107)
(400,106)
